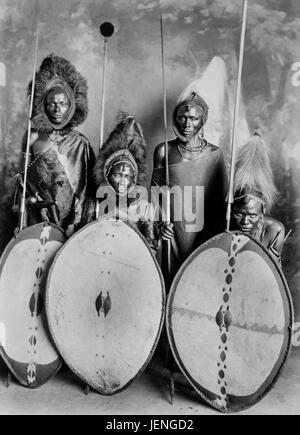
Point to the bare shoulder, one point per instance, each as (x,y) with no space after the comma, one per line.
(160,151)
(34,136)
(160,154)
(274,226)
(274,233)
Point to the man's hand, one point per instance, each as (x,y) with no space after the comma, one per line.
(17,230)
(167,231)
(70,231)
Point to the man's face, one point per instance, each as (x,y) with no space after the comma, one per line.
(56,107)
(188,121)
(121,178)
(247,215)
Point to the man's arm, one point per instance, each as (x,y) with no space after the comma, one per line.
(164,230)
(91,160)
(33,137)
(159,156)
(275,234)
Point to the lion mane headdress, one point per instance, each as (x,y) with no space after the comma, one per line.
(58,73)
(125,144)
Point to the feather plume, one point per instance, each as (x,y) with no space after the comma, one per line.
(253,171)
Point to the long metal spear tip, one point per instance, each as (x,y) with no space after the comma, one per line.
(107,29)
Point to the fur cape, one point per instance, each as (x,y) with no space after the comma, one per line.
(126,137)
(253,173)
(57,71)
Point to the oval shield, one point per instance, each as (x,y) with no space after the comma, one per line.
(229,321)
(105,304)
(25,343)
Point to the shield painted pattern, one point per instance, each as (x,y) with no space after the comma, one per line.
(229,321)
(105,304)
(25,342)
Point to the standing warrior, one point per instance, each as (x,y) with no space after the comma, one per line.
(61,158)
(193,162)
(120,177)
(254,195)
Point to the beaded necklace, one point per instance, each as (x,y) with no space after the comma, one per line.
(199,150)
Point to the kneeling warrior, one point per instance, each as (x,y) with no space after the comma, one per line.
(119,175)
(254,195)
(61,158)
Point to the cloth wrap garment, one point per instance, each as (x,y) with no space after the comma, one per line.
(208,172)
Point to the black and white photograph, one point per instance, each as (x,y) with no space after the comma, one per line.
(149,210)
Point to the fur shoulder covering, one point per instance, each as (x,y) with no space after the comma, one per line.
(274,225)
(82,137)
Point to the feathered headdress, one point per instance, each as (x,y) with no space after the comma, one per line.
(253,174)
(126,143)
(57,72)
(214,88)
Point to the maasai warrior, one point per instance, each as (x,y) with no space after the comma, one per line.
(119,173)
(61,158)
(254,195)
(192,162)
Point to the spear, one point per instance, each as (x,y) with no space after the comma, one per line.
(107,30)
(168,361)
(168,211)
(23,201)
(236,112)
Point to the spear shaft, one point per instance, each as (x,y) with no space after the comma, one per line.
(103,93)
(23,202)
(168,205)
(236,113)
(107,30)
